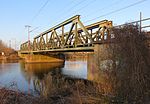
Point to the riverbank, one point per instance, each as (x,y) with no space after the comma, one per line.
(15,97)
(71,92)
(12,56)
(75,93)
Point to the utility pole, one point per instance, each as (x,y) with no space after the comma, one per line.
(15,43)
(140,22)
(9,43)
(28,27)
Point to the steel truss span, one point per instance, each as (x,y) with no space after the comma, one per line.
(70,35)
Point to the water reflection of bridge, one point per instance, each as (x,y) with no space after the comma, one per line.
(38,70)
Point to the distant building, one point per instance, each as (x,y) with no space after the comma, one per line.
(3,54)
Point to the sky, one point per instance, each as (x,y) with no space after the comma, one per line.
(44,14)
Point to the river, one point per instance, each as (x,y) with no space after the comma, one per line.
(21,76)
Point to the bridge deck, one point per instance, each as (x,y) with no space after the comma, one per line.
(78,49)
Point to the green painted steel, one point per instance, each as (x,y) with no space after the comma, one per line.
(70,35)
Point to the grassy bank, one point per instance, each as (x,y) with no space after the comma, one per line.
(15,97)
(79,92)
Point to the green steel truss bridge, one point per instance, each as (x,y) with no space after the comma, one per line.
(70,36)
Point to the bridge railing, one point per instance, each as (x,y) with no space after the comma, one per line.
(77,36)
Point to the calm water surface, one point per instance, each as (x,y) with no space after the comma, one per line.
(22,76)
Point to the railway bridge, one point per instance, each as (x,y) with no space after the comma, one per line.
(70,36)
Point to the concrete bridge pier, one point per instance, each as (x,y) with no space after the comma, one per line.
(101,65)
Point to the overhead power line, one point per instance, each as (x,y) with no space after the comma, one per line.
(61,11)
(42,7)
(83,7)
(106,6)
(128,6)
(76,5)
(69,10)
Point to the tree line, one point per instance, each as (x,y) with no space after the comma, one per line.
(4,48)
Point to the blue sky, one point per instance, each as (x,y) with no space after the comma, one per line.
(44,14)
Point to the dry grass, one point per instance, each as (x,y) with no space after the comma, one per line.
(132,73)
(15,97)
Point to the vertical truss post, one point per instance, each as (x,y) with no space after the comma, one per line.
(46,43)
(62,38)
(76,34)
(91,34)
(46,38)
